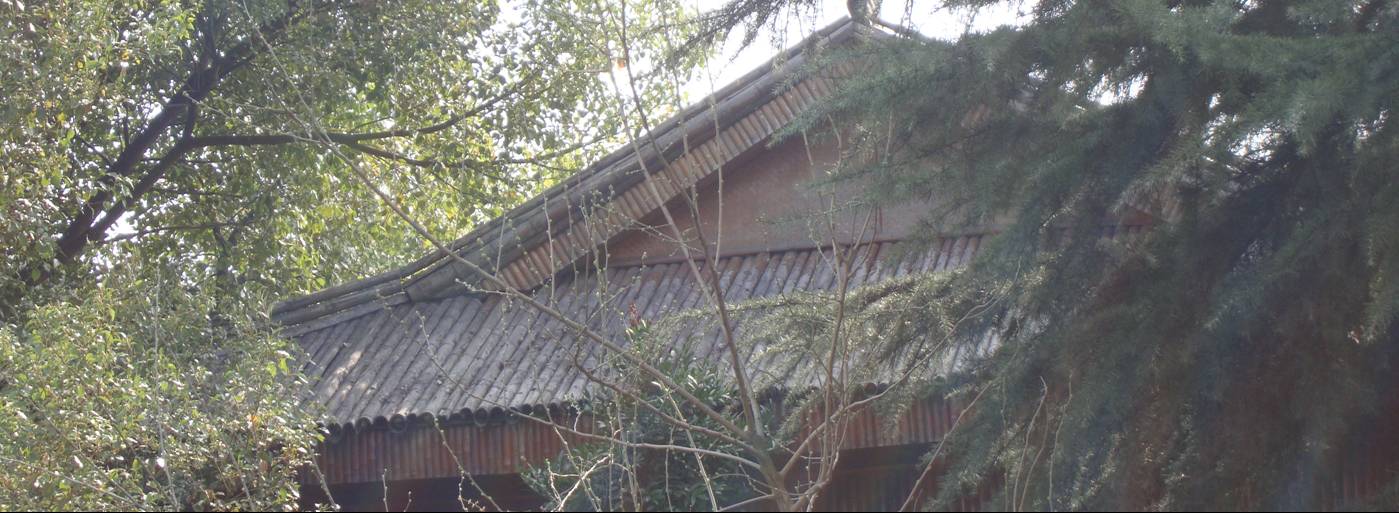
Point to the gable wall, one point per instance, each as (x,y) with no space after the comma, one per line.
(769,204)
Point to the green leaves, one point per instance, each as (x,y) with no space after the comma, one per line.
(1235,347)
(122,404)
(491,109)
(1237,132)
(163,183)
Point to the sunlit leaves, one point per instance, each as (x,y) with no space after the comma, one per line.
(120,402)
(145,374)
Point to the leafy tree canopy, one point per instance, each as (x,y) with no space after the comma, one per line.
(182,128)
(168,169)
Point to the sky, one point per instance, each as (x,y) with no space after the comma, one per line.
(734,61)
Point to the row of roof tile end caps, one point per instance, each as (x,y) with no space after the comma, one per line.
(400,423)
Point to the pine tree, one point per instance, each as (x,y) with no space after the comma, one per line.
(1236,351)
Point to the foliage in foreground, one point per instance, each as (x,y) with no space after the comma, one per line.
(603,476)
(1241,352)
(169,169)
(143,398)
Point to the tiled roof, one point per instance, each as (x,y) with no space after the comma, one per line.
(472,354)
(429,338)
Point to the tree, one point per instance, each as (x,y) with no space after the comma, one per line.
(134,400)
(1236,353)
(161,188)
(173,122)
